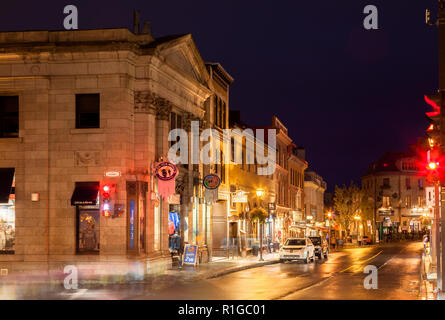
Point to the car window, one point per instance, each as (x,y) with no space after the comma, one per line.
(315,240)
(295,242)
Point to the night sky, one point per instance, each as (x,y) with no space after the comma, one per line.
(345,93)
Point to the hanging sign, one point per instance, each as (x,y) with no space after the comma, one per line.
(190,254)
(239,197)
(211,181)
(166,172)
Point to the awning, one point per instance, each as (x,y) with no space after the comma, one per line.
(85,194)
(6,178)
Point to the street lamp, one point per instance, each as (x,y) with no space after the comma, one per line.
(259,193)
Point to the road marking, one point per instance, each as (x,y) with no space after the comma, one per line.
(363,261)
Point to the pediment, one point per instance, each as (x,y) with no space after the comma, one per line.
(183,55)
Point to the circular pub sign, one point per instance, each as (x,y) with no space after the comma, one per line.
(166,171)
(211,181)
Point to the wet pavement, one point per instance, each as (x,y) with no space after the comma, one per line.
(339,277)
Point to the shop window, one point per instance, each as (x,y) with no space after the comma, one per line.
(7,211)
(87,111)
(9,116)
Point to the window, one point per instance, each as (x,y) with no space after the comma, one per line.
(9,116)
(175,123)
(408,201)
(386,203)
(408,183)
(420,182)
(87,111)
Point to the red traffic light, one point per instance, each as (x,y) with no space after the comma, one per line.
(432,165)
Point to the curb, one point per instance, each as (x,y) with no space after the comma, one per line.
(241,268)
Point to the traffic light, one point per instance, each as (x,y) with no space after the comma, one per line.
(107,206)
(433,166)
(433,130)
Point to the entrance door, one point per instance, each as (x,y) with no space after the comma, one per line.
(88,230)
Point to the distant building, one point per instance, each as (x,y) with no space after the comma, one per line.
(397,186)
(314,188)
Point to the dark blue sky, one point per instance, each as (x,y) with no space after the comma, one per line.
(345,93)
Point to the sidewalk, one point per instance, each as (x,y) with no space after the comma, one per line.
(137,271)
(428,278)
(222,266)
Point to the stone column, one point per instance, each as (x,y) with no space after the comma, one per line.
(145,153)
(163,109)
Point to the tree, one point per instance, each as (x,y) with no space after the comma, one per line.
(348,203)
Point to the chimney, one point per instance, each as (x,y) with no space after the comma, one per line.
(136,24)
(146,29)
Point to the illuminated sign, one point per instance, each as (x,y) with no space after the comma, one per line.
(211,181)
(113,174)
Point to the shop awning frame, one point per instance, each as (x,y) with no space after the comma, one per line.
(85,194)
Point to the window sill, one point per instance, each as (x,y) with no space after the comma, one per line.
(83,131)
(11,140)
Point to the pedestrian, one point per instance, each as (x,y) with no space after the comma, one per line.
(425,241)
(269,242)
(333,242)
(359,240)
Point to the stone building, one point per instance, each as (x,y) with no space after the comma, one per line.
(297,166)
(314,188)
(87,108)
(397,187)
(248,190)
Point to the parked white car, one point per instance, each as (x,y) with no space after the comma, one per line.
(297,249)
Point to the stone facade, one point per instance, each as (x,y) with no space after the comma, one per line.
(314,188)
(141,81)
(397,187)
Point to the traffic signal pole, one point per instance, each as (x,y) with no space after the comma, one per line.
(435,242)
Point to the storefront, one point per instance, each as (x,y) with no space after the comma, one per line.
(7,210)
(86,200)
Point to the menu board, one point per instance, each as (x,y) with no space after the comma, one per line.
(190,254)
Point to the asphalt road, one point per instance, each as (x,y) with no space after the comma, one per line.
(339,277)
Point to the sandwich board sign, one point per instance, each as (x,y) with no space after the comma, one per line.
(190,254)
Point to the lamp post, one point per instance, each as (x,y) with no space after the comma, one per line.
(260,193)
(329,230)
